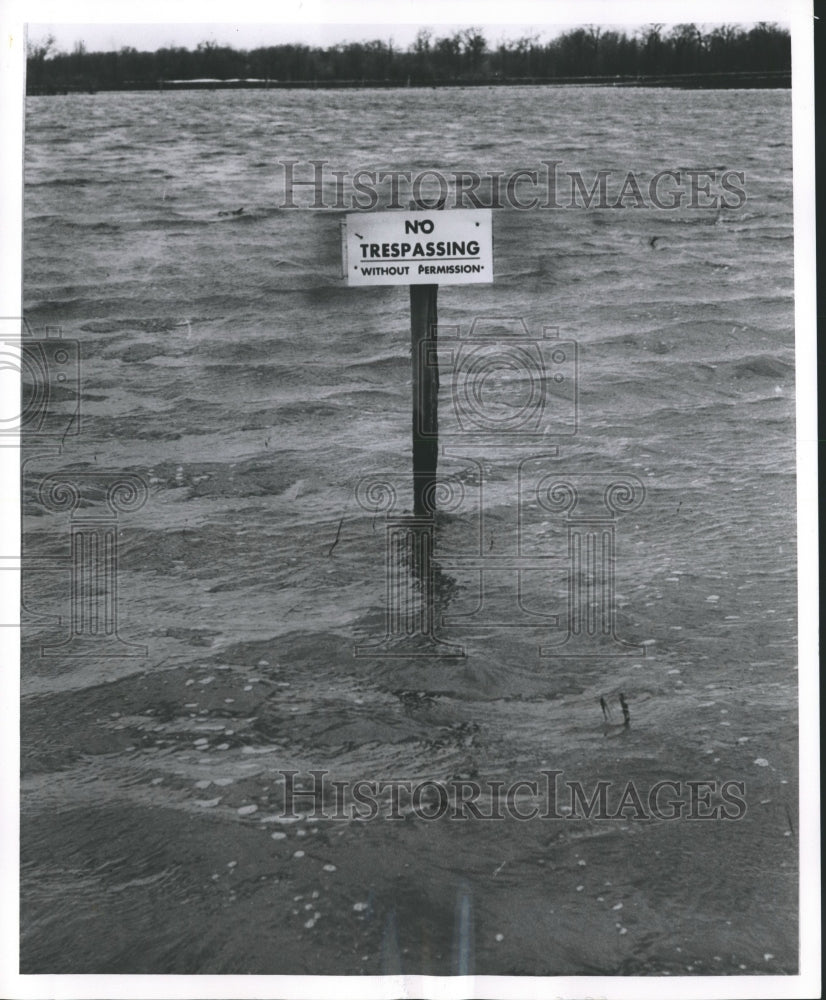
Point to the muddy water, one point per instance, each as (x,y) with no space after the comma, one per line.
(224,365)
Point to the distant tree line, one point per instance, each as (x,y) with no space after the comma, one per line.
(462,57)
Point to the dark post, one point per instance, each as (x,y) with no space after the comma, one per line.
(423,319)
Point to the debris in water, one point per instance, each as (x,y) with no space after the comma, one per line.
(761,762)
(626,714)
(329,868)
(335,541)
(247,810)
(278,835)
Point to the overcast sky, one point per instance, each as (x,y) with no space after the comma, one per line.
(149,37)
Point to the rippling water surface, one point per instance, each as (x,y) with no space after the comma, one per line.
(225,365)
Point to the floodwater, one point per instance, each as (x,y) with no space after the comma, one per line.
(254,399)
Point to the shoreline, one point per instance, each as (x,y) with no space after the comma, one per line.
(772,80)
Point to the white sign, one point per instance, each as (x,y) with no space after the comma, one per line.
(453,247)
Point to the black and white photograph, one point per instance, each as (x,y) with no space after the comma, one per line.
(409,501)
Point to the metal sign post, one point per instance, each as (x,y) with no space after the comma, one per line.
(422,250)
(423,320)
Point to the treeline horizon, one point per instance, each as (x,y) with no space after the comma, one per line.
(463,56)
